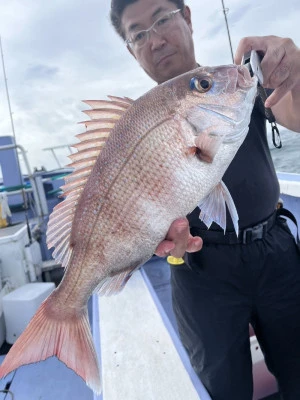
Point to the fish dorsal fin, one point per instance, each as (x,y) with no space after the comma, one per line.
(213,207)
(120,103)
(104,114)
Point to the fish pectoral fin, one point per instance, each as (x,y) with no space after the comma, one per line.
(213,207)
(207,146)
(114,284)
(67,337)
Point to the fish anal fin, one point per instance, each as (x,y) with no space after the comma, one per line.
(115,284)
(69,339)
(213,207)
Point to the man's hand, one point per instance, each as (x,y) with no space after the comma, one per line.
(281,71)
(280,65)
(179,240)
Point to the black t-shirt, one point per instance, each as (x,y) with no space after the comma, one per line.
(250,178)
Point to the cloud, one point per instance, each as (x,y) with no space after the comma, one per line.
(38,72)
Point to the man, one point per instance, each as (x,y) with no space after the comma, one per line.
(227,283)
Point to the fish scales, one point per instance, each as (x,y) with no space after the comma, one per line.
(166,154)
(109,177)
(110,219)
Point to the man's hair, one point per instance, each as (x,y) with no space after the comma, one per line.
(118,7)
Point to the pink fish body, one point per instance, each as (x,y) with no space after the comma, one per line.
(139,166)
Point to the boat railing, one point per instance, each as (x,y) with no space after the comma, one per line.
(35,180)
(54,148)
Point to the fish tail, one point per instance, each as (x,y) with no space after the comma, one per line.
(68,337)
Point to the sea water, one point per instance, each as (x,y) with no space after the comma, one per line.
(286,159)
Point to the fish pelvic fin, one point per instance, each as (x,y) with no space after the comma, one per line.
(69,339)
(104,114)
(213,208)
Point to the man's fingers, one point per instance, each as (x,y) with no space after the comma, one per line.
(279,93)
(274,67)
(280,64)
(248,44)
(179,230)
(195,243)
(179,234)
(164,248)
(278,76)
(176,240)
(189,245)
(179,240)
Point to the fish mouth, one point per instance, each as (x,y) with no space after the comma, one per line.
(244,79)
(237,77)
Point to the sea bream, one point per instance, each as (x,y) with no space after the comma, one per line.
(140,165)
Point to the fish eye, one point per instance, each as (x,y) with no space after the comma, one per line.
(201,84)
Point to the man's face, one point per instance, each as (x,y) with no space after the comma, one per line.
(166,55)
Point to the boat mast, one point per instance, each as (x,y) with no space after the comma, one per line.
(225,11)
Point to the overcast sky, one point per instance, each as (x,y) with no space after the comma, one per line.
(59,52)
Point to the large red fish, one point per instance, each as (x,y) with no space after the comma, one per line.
(139,166)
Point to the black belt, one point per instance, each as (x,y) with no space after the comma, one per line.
(245,236)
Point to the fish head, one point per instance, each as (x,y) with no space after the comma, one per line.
(216,102)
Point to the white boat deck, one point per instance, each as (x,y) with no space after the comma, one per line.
(138,355)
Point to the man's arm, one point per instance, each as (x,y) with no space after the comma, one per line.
(281,71)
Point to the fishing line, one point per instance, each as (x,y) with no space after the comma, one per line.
(225,11)
(261,90)
(17,154)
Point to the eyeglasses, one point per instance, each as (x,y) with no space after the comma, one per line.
(160,26)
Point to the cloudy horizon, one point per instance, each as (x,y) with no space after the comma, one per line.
(57,53)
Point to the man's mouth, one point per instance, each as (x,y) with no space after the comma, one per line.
(162,58)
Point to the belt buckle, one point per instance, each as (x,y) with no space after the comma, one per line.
(257,232)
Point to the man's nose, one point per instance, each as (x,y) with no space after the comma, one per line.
(156,40)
